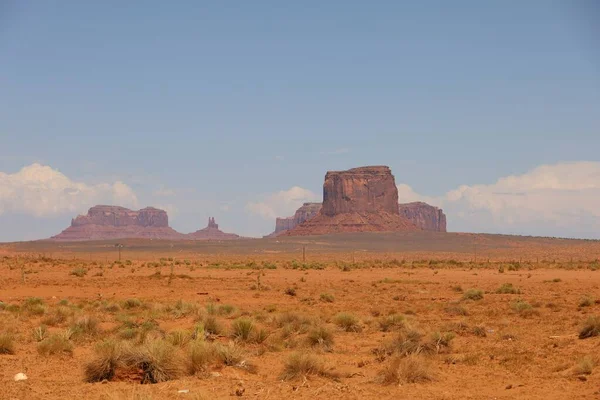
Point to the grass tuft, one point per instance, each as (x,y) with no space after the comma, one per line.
(591,328)
(348,322)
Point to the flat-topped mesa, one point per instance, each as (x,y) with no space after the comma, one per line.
(211,232)
(121,216)
(364,189)
(113,222)
(361,199)
(423,215)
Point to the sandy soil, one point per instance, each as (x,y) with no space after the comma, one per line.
(531,356)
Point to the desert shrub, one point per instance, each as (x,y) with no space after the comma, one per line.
(179,337)
(157,359)
(473,294)
(524,309)
(40,333)
(128,333)
(347,322)
(242,328)
(106,360)
(33,306)
(457,288)
(320,336)
(55,344)
(407,342)
(58,316)
(292,323)
(391,322)
(507,288)
(586,301)
(182,309)
(590,328)
(85,327)
(200,355)
(212,326)
(442,340)
(225,309)
(229,354)
(479,331)
(585,366)
(131,303)
(79,272)
(7,344)
(327,298)
(290,291)
(412,369)
(260,335)
(301,364)
(456,309)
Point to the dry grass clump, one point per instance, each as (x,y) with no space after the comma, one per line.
(59,316)
(473,294)
(131,303)
(456,309)
(85,327)
(585,366)
(7,344)
(392,322)
(302,364)
(524,309)
(242,328)
(292,323)
(79,272)
(348,322)
(200,356)
(411,369)
(40,333)
(229,354)
(327,298)
(508,288)
(407,342)
(179,337)
(33,306)
(320,336)
(591,328)
(55,344)
(442,340)
(586,301)
(157,359)
(107,358)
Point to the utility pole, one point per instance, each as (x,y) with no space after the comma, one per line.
(304,253)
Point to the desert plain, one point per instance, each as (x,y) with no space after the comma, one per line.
(413,315)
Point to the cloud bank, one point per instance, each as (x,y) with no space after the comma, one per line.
(281,204)
(550,200)
(42,191)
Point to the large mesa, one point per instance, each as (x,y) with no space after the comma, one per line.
(114,222)
(361,199)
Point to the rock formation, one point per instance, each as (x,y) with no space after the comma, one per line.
(113,222)
(211,232)
(426,217)
(357,200)
(304,213)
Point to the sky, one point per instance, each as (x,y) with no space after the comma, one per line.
(490,110)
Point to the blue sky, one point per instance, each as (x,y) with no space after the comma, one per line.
(209,109)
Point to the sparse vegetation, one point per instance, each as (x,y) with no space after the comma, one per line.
(590,328)
(302,364)
(508,288)
(7,344)
(327,298)
(411,369)
(473,294)
(348,322)
(320,336)
(56,344)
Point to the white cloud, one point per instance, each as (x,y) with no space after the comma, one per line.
(42,191)
(282,203)
(550,200)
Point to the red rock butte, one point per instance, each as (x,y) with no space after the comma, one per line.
(365,199)
(114,222)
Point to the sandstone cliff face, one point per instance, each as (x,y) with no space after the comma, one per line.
(211,232)
(365,189)
(113,222)
(426,217)
(304,213)
(358,200)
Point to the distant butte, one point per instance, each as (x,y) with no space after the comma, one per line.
(211,232)
(364,199)
(114,222)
